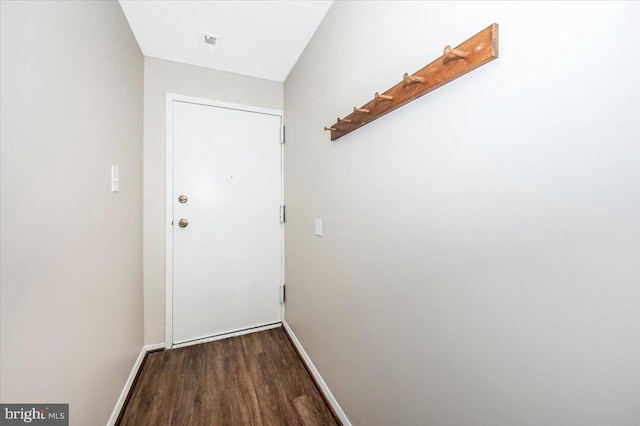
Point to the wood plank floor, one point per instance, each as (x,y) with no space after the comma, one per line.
(255,379)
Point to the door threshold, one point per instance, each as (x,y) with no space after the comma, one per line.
(226,335)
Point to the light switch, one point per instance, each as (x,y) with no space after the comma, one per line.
(115,180)
(319,227)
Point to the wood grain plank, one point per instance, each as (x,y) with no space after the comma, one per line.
(255,379)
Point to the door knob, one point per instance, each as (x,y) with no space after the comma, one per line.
(182,199)
(182,223)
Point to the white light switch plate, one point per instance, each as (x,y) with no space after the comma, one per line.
(115,180)
(319,227)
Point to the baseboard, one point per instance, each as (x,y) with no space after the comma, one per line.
(129,383)
(316,375)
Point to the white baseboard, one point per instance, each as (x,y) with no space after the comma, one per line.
(129,383)
(314,371)
(154,347)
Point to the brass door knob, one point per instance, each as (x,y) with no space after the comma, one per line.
(182,223)
(182,199)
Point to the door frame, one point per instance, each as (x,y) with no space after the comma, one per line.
(168,309)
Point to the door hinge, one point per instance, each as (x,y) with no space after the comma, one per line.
(281,134)
(282,294)
(283,216)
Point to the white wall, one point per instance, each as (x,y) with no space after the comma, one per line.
(71,251)
(480,259)
(162,77)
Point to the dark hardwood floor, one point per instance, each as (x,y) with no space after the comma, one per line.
(255,379)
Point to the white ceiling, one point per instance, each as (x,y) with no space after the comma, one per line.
(258,38)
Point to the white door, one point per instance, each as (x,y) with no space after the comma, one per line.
(227,261)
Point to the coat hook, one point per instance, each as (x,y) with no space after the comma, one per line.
(333,129)
(343,119)
(386,97)
(408,79)
(366,111)
(455,52)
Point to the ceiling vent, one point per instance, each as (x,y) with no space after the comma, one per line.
(209,43)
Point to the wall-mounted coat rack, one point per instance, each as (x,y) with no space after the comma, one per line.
(476,51)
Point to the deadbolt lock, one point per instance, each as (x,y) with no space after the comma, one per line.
(182,223)
(183,199)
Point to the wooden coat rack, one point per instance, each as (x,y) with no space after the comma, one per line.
(476,51)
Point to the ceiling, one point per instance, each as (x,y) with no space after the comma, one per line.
(257,38)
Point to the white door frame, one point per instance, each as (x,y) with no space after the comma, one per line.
(169,99)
